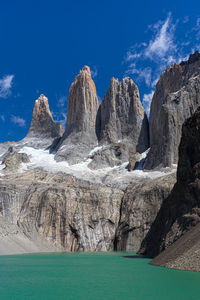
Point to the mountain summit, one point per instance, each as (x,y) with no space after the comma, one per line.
(82,110)
(42,123)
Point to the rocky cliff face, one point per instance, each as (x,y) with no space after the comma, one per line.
(177,96)
(181,210)
(42,123)
(122,116)
(140,205)
(73,205)
(71,214)
(80,134)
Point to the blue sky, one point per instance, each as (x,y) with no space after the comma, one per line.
(44,44)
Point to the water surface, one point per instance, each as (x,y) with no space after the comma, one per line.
(92,276)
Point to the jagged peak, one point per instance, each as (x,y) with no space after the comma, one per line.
(125,80)
(42,122)
(87,69)
(42,98)
(192,59)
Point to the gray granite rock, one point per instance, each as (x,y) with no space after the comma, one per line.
(42,123)
(140,205)
(177,96)
(134,159)
(111,155)
(80,134)
(181,209)
(69,213)
(122,116)
(13,160)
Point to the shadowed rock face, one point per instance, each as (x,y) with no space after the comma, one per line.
(122,116)
(177,96)
(80,134)
(42,123)
(140,205)
(181,210)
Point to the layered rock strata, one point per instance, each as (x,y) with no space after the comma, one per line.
(76,215)
(71,214)
(177,96)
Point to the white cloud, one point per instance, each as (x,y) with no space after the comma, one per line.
(60,117)
(163,42)
(18,121)
(2,118)
(62,101)
(5,85)
(94,72)
(186,19)
(197,28)
(99,98)
(141,73)
(147,101)
(154,82)
(63,119)
(160,51)
(131,56)
(169,41)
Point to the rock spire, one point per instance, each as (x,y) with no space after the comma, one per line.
(80,134)
(122,115)
(42,123)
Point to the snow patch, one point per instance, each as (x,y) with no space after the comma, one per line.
(2,166)
(142,160)
(116,176)
(96,149)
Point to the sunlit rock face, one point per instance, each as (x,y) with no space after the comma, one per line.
(71,214)
(42,123)
(177,96)
(122,116)
(82,104)
(80,134)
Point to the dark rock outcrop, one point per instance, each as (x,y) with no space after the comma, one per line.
(181,210)
(177,96)
(184,254)
(80,134)
(122,116)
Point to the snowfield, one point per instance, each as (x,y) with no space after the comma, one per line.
(116,176)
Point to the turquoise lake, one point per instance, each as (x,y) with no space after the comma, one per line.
(93,276)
